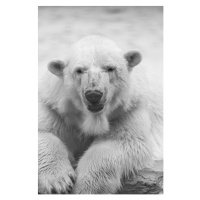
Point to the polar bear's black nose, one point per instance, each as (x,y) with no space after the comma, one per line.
(93,96)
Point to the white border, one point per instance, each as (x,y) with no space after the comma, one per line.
(19,98)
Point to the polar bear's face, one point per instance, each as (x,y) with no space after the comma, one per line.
(97,78)
(98,75)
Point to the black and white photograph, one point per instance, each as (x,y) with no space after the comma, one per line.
(100,100)
(100,97)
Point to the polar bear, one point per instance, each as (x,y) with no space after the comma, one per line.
(100,119)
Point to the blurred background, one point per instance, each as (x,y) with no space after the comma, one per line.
(130,27)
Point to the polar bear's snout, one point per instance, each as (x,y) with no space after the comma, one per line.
(94,103)
(94,84)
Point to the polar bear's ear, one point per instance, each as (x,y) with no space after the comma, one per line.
(56,67)
(133,58)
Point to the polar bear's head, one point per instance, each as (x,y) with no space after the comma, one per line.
(96,78)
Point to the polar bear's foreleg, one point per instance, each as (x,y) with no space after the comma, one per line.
(56,174)
(113,156)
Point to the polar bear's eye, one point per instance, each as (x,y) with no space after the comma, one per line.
(110,69)
(79,71)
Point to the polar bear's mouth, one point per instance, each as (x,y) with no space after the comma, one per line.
(95,108)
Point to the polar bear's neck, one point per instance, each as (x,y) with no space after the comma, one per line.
(95,124)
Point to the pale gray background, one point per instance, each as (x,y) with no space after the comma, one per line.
(130,27)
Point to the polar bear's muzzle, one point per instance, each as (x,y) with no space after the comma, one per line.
(94,100)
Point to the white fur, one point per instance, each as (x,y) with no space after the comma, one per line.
(124,137)
(95,125)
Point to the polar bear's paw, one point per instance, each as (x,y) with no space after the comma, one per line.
(57,181)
